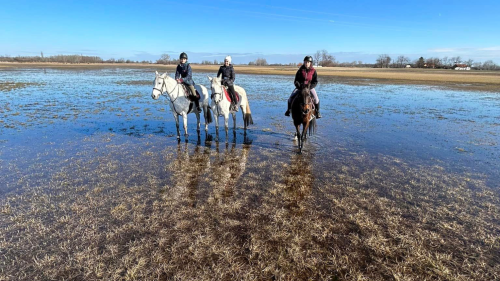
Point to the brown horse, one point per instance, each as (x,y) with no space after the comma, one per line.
(303,114)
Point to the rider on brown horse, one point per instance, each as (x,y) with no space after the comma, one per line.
(183,74)
(306,75)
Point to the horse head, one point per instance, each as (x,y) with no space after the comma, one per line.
(159,85)
(216,88)
(305,92)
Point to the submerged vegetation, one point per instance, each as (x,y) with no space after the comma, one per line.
(232,213)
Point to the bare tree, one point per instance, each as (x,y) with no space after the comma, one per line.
(455,60)
(164,59)
(402,61)
(489,65)
(383,60)
(469,62)
(477,65)
(327,59)
(317,57)
(261,61)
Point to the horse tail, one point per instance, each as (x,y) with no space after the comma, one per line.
(248,115)
(312,127)
(208,115)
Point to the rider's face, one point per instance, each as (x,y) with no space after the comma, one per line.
(307,64)
(183,60)
(226,62)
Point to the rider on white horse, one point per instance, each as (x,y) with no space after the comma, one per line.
(183,74)
(228,77)
(305,75)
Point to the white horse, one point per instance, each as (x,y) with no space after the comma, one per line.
(179,103)
(221,106)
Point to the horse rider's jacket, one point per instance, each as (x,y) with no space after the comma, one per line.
(184,73)
(306,76)
(227,75)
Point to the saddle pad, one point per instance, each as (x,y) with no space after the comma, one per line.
(187,91)
(228,98)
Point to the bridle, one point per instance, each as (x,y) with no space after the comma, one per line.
(168,93)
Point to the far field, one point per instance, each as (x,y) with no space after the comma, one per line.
(466,80)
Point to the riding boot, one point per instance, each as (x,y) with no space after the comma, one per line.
(317,110)
(197,104)
(287,113)
(234,102)
(196,99)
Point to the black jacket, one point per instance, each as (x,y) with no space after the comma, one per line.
(227,75)
(300,78)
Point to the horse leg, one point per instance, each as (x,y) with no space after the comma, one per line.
(234,121)
(304,130)
(243,112)
(206,112)
(198,123)
(176,117)
(299,138)
(185,119)
(226,123)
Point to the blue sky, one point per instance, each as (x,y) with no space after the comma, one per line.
(280,31)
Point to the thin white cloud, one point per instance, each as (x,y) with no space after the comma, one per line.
(490,49)
(446,50)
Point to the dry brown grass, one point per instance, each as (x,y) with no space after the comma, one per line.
(468,80)
(231,212)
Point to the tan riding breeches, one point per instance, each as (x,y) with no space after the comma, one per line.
(193,91)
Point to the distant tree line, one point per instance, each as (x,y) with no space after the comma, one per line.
(74,59)
(384,61)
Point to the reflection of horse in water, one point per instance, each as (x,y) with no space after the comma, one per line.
(180,103)
(227,168)
(302,114)
(298,180)
(188,170)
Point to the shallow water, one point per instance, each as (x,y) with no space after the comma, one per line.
(94,185)
(52,120)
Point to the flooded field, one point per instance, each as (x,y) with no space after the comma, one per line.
(399,183)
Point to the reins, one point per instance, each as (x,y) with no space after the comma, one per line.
(168,94)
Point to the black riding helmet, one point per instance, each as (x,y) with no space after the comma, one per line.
(308,58)
(183,56)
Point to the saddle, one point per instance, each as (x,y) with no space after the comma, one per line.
(190,97)
(238,97)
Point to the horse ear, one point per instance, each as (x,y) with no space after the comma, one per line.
(156,73)
(219,77)
(209,78)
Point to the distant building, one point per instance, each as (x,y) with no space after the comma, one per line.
(461,66)
(408,66)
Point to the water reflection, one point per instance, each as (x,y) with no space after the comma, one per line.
(189,169)
(212,171)
(228,166)
(298,180)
